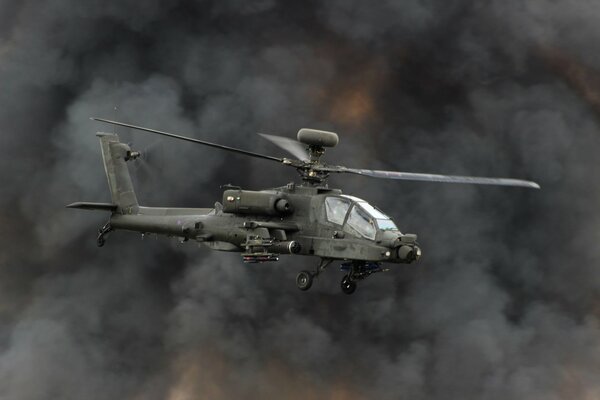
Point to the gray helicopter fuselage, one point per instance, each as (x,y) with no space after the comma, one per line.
(304,228)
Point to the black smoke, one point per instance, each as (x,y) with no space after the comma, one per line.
(505,302)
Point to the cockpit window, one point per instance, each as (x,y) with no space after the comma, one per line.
(375,213)
(384,222)
(361,222)
(387,225)
(336,209)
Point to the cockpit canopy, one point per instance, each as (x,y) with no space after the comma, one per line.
(358,217)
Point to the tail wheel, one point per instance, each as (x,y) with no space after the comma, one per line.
(304,280)
(348,285)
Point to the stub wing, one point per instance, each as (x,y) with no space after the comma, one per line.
(82,205)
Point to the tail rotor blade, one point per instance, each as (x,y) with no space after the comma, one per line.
(152,148)
(147,167)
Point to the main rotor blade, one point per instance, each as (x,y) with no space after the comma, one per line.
(411,176)
(293,147)
(188,139)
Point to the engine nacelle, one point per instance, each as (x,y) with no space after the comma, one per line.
(255,203)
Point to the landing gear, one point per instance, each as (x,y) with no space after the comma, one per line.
(357,271)
(348,285)
(100,241)
(304,280)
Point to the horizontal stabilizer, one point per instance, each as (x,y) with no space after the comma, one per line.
(93,206)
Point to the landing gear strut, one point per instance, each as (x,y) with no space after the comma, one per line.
(357,270)
(103,232)
(304,279)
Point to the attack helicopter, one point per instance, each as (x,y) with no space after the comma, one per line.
(308,219)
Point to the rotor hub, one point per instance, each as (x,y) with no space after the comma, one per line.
(312,171)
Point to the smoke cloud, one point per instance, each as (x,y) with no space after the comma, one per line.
(505,302)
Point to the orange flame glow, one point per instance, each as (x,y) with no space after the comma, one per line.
(348,99)
(210,375)
(583,80)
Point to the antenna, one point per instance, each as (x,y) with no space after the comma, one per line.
(115,109)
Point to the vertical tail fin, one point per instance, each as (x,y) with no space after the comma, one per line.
(115,155)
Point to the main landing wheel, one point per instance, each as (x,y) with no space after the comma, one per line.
(304,280)
(348,285)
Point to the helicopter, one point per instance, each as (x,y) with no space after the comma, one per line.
(308,219)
